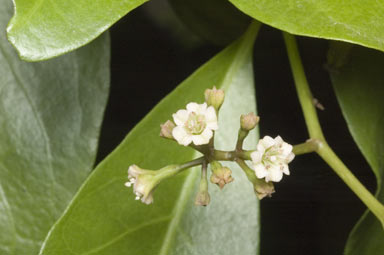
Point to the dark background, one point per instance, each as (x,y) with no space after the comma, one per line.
(312,211)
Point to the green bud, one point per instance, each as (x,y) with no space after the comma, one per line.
(166,129)
(263,189)
(202,198)
(249,121)
(214,97)
(220,175)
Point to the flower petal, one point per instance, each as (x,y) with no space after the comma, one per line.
(147,199)
(286,149)
(202,108)
(203,138)
(285,169)
(274,174)
(193,107)
(260,147)
(133,171)
(139,188)
(290,157)
(256,157)
(199,140)
(181,135)
(180,117)
(211,118)
(260,171)
(278,140)
(267,142)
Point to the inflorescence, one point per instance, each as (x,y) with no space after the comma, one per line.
(195,126)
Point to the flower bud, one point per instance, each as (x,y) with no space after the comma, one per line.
(249,121)
(202,198)
(260,186)
(166,129)
(220,175)
(214,97)
(263,188)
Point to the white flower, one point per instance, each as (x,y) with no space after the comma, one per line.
(271,157)
(195,124)
(142,183)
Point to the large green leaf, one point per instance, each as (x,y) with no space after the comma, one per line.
(105,219)
(359,85)
(42,29)
(50,116)
(356,21)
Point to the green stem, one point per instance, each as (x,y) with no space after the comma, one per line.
(242,134)
(315,132)
(353,183)
(224,155)
(192,163)
(309,146)
(172,170)
(302,88)
(248,171)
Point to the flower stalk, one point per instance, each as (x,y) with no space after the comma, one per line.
(203,198)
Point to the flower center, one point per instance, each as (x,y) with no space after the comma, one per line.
(271,157)
(195,124)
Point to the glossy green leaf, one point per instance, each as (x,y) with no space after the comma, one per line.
(42,29)
(359,84)
(50,116)
(105,219)
(217,21)
(356,21)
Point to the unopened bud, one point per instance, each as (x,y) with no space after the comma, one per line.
(260,186)
(202,198)
(249,121)
(214,97)
(263,188)
(166,129)
(220,175)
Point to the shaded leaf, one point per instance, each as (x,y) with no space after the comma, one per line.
(360,22)
(42,29)
(105,219)
(359,85)
(217,21)
(50,116)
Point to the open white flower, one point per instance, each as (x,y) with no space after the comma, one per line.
(195,124)
(271,157)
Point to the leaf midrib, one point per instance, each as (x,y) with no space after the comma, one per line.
(36,116)
(178,210)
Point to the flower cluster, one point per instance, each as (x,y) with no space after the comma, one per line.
(195,126)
